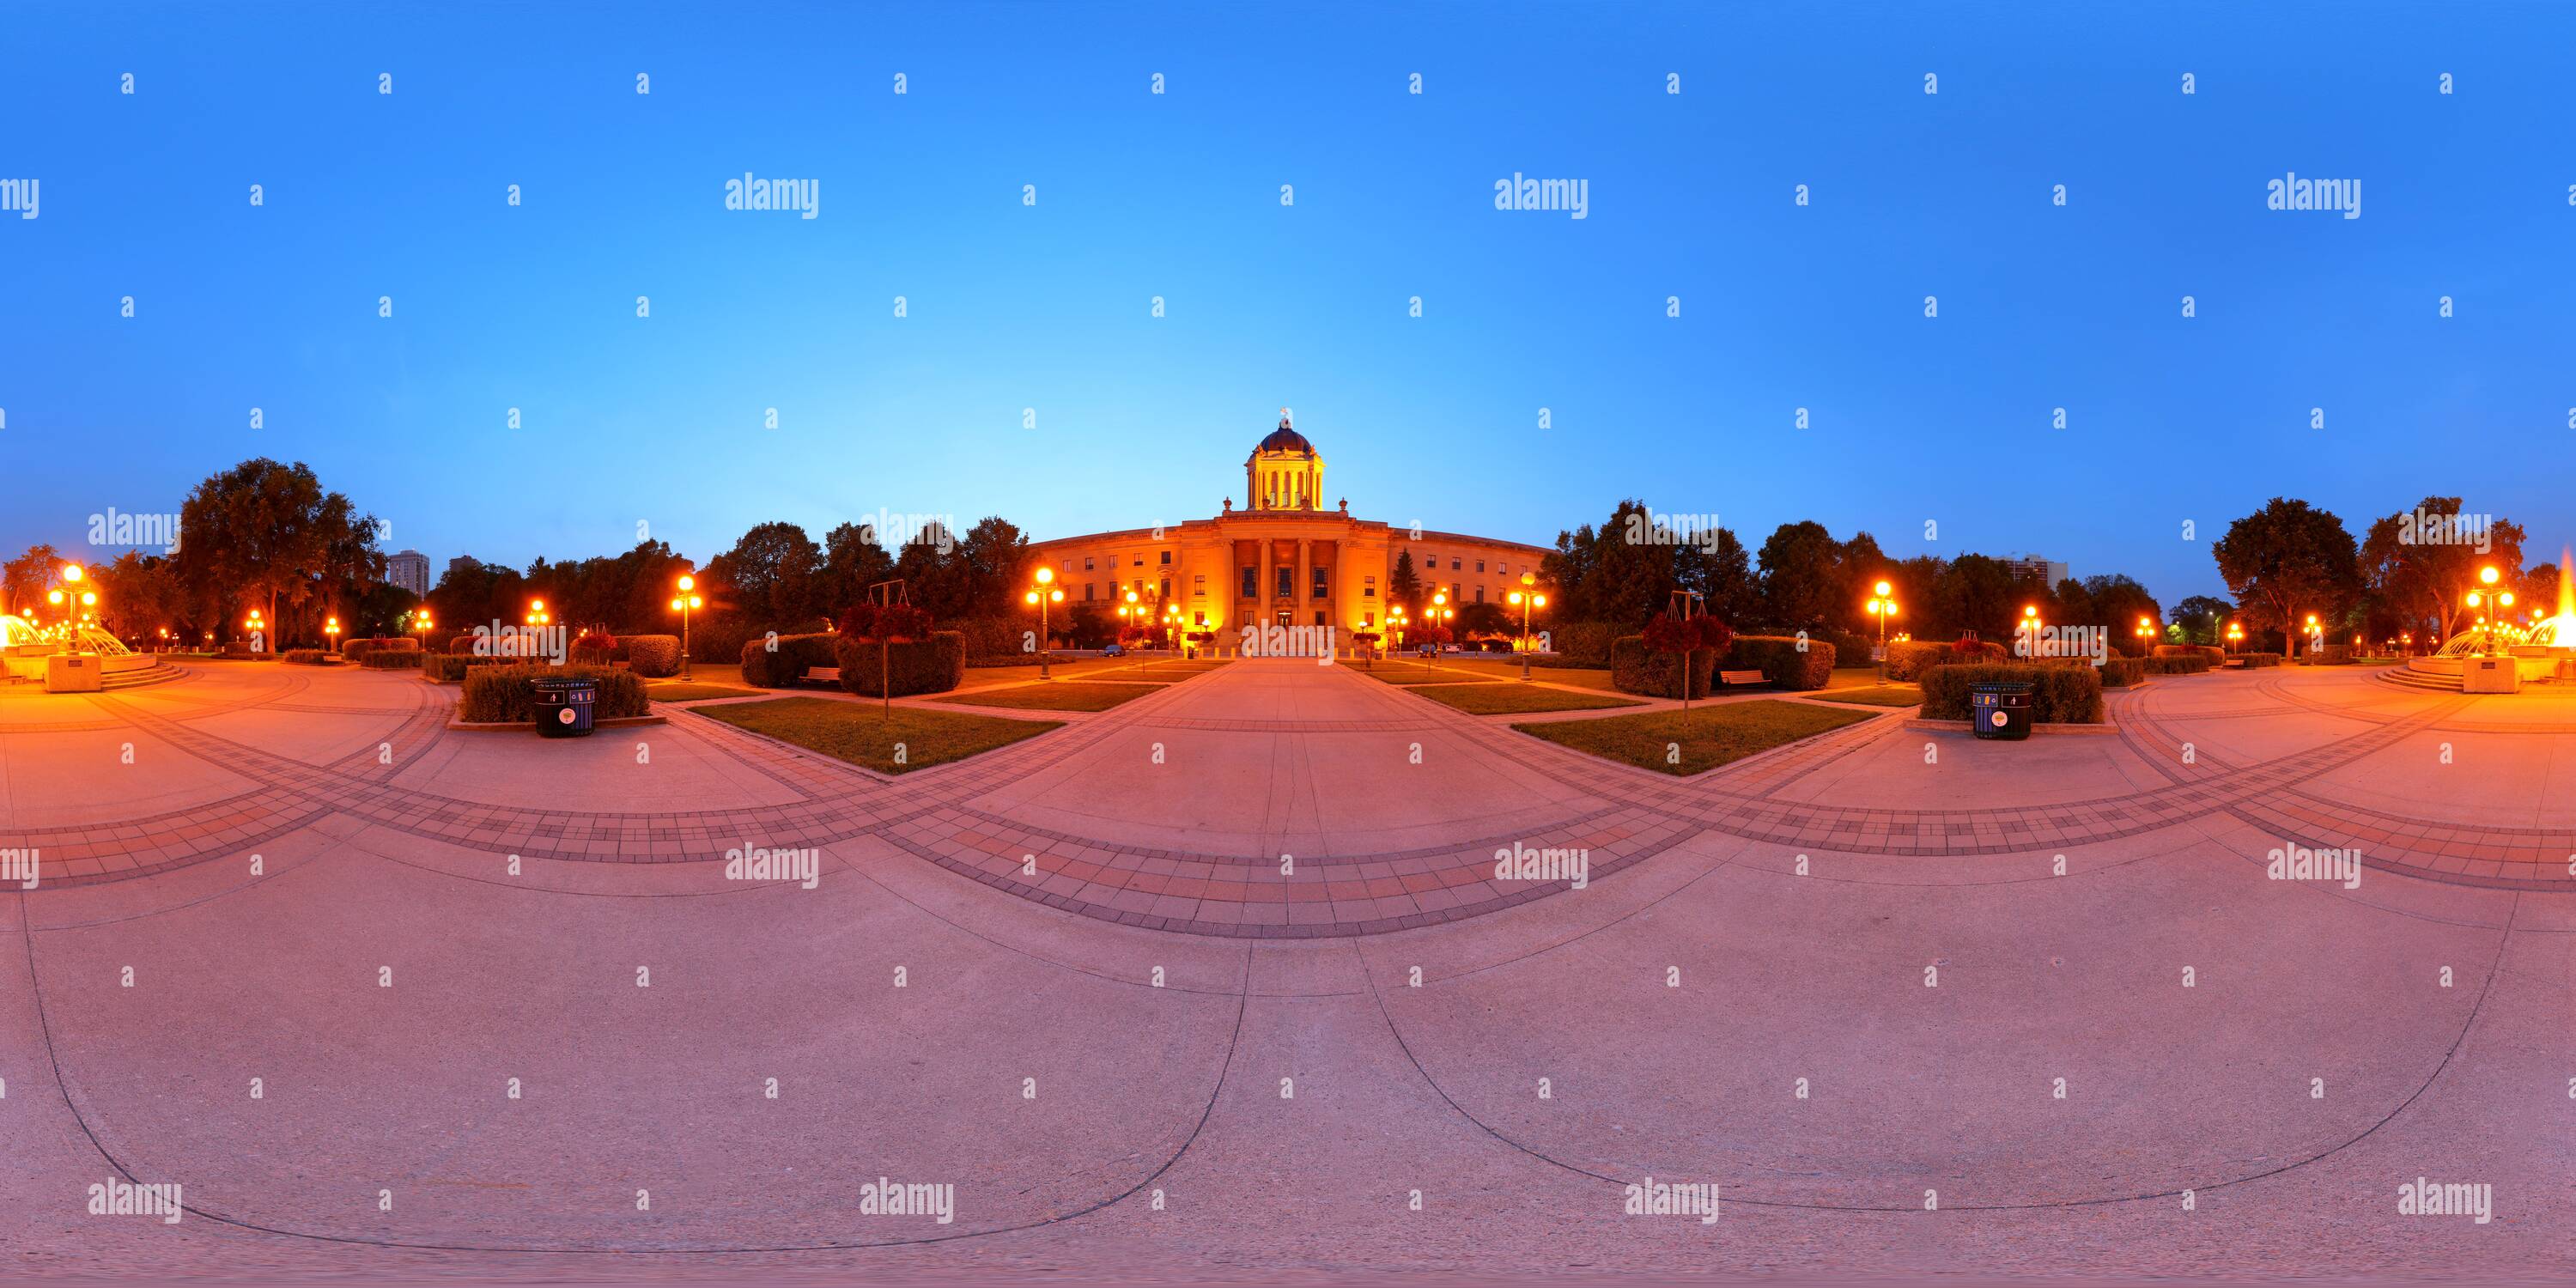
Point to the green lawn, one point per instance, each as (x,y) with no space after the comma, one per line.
(1854,677)
(1073,695)
(1159,671)
(724,673)
(1700,739)
(1509,668)
(1409,673)
(1504,699)
(1875,695)
(862,734)
(683,691)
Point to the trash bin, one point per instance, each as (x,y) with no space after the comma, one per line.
(564,707)
(2000,710)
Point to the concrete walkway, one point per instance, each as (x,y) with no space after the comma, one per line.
(1138,1047)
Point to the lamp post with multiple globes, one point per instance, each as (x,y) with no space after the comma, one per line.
(683,603)
(331,628)
(1044,593)
(1528,598)
(1882,607)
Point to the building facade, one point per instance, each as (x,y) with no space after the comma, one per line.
(408,569)
(1283,559)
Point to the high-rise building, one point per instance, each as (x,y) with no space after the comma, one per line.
(409,569)
(2048,572)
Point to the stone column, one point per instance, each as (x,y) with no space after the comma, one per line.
(1305,578)
(1261,588)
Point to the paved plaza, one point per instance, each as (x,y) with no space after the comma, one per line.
(1222,981)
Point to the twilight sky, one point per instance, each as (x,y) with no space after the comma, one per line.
(1142,419)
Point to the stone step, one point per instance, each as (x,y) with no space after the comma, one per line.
(2405,678)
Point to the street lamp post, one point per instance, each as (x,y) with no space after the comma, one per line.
(331,628)
(2235,633)
(1882,608)
(683,603)
(2146,630)
(1528,598)
(2030,628)
(1046,593)
(256,627)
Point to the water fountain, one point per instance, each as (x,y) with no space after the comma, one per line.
(2543,652)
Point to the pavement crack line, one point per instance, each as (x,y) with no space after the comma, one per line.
(62,1086)
(2504,938)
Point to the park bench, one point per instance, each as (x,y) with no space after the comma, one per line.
(821,675)
(1741,677)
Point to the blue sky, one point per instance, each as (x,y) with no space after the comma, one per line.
(1431,419)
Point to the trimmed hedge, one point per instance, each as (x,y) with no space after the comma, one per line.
(652,655)
(461,644)
(1634,668)
(2260,659)
(308,657)
(2328,655)
(451,667)
(507,694)
(934,665)
(995,641)
(2059,694)
(357,650)
(1909,659)
(1779,659)
(778,668)
(2120,672)
(393,659)
(1585,644)
(2181,664)
(2215,655)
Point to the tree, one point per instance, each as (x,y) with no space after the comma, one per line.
(1801,576)
(853,560)
(2423,563)
(1404,585)
(270,533)
(2203,618)
(23,581)
(2118,602)
(1721,570)
(770,573)
(2286,559)
(1975,593)
(138,596)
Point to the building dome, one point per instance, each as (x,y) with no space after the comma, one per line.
(1284,472)
(1285,439)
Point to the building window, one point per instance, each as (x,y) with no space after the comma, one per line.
(1198,585)
(1287,582)
(1320,591)
(1086,592)
(1453,563)
(1480,594)
(1457,593)
(1198,619)
(1367,620)
(1167,558)
(1251,582)
(1139,561)
(1368,588)
(1167,588)
(1086,563)
(1480,565)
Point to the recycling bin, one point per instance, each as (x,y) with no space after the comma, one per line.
(564,707)
(2000,710)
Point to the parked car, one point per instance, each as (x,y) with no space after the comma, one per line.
(1114,650)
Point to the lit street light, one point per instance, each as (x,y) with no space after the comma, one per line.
(1882,608)
(1528,598)
(682,604)
(1045,593)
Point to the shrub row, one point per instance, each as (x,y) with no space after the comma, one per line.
(2260,659)
(1782,661)
(452,667)
(775,664)
(2121,672)
(308,657)
(2178,664)
(393,659)
(1634,668)
(507,694)
(2214,654)
(357,650)
(934,665)
(2059,694)
(1585,644)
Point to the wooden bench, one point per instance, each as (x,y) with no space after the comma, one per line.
(821,675)
(1741,677)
